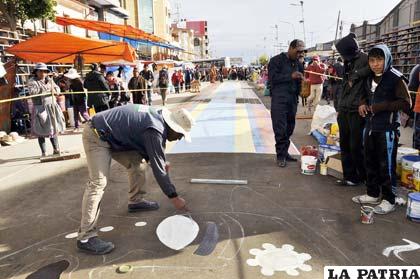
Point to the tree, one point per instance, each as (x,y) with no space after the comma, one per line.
(263,60)
(22,10)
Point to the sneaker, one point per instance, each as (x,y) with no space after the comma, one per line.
(144,205)
(384,208)
(56,152)
(281,163)
(343,182)
(95,246)
(289,158)
(366,199)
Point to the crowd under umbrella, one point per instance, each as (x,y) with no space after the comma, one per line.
(64,48)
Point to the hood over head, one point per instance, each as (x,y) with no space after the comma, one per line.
(348,47)
(387,54)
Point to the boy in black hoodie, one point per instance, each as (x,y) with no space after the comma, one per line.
(384,94)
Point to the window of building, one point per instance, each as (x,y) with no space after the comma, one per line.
(417,11)
(395,18)
(197,42)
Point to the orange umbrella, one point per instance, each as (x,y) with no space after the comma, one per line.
(125,31)
(64,48)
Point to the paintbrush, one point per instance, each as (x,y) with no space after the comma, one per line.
(361,205)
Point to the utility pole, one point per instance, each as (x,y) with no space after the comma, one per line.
(341,29)
(336,31)
(303,19)
(303,22)
(276,38)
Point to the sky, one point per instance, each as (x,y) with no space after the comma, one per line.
(245,28)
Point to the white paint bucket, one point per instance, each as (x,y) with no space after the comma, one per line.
(416,176)
(401,152)
(407,163)
(308,165)
(366,215)
(413,207)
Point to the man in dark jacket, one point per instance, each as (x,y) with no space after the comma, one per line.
(356,69)
(285,79)
(95,81)
(147,74)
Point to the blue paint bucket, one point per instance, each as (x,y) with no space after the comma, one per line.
(413,207)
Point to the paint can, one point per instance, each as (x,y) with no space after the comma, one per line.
(402,151)
(407,163)
(416,176)
(413,207)
(308,165)
(323,169)
(366,215)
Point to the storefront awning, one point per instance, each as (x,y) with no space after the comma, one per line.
(64,48)
(125,31)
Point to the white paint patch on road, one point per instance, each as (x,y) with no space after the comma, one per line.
(140,224)
(106,229)
(71,235)
(396,250)
(272,259)
(176,232)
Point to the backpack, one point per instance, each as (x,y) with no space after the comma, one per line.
(163,78)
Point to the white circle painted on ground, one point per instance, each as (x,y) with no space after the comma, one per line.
(106,229)
(71,235)
(140,224)
(176,232)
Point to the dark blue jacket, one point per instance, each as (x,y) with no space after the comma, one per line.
(282,87)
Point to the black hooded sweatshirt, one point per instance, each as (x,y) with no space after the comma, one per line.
(356,69)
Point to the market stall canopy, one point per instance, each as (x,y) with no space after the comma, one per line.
(64,48)
(126,31)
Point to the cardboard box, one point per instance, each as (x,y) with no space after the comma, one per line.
(334,167)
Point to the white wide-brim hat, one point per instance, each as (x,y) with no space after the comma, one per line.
(72,74)
(41,66)
(181,121)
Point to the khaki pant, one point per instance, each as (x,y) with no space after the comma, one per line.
(98,155)
(163,91)
(316,94)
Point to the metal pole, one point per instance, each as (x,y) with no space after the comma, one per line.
(303,22)
(336,32)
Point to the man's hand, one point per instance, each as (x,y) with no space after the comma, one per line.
(364,110)
(179,204)
(350,83)
(167,166)
(297,75)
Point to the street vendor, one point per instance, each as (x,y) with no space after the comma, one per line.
(133,135)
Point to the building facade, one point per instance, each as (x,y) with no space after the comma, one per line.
(184,38)
(201,38)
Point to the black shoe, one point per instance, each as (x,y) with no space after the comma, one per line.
(342,182)
(281,163)
(144,205)
(95,246)
(290,158)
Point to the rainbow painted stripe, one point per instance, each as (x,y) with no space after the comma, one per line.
(224,126)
